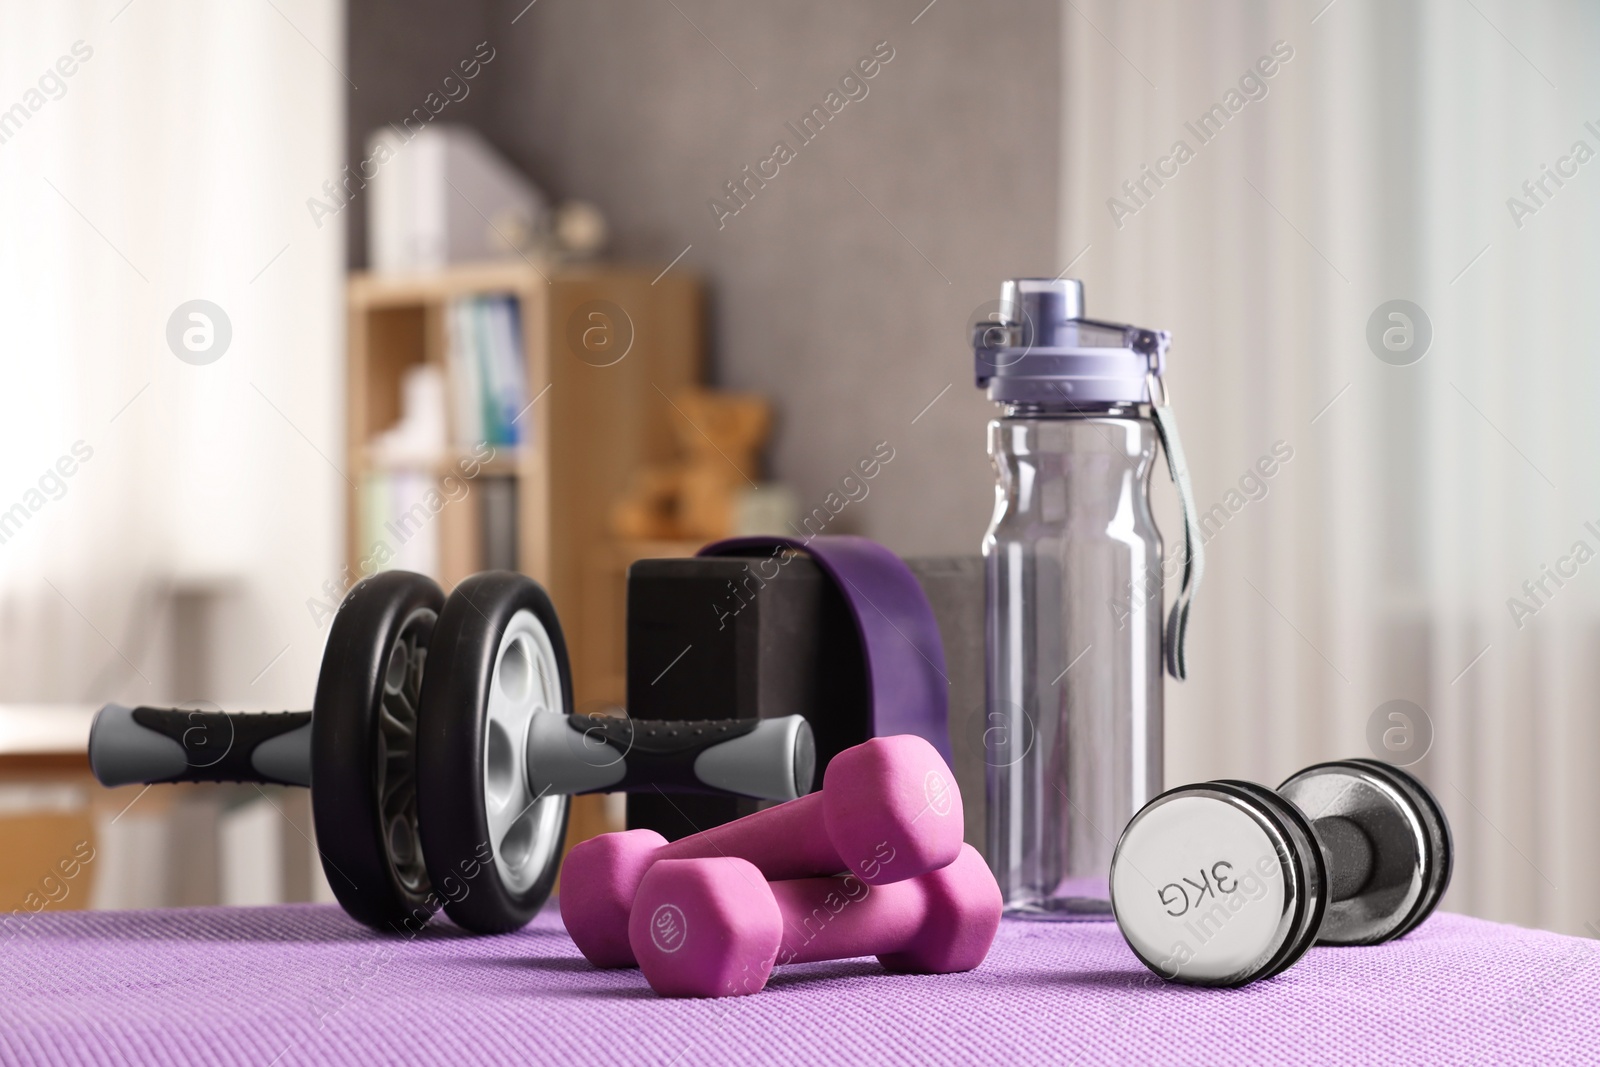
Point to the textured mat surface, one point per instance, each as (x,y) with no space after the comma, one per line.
(304,984)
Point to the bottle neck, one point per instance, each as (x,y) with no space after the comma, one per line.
(1035,410)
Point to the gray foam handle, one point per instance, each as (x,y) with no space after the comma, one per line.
(146,745)
(767,759)
(121,752)
(775,761)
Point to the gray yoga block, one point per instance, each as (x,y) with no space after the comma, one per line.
(954,587)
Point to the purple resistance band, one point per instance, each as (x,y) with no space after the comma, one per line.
(899,634)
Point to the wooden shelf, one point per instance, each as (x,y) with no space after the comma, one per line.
(512,462)
(368,290)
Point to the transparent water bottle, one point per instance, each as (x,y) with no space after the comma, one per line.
(1074,567)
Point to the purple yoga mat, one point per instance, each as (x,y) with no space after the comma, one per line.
(304,984)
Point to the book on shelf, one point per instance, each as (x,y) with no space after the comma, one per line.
(498,523)
(470,406)
(401,519)
(488,375)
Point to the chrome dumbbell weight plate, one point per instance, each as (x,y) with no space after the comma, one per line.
(1406,833)
(1218,884)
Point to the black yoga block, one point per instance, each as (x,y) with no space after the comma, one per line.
(708,639)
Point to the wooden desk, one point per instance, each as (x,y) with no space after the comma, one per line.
(48,803)
(48,740)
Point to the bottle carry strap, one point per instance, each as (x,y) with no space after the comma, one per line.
(1193,550)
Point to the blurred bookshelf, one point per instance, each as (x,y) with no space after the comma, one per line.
(599,349)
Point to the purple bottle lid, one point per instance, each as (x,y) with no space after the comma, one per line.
(1039,348)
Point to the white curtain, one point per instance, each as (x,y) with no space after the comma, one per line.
(154,153)
(162,523)
(1374,164)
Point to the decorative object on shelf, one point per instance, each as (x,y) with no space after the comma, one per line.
(697,496)
(445,196)
(580,230)
(421,435)
(569,462)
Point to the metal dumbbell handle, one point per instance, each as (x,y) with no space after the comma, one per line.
(145,745)
(1347,852)
(769,759)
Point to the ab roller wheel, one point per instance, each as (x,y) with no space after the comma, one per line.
(441,752)
(508,658)
(1224,883)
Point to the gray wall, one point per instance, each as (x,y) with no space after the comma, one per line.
(815,299)
(397,52)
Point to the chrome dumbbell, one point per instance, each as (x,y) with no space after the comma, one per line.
(1223,883)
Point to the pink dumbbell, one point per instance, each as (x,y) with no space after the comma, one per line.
(888,810)
(715,927)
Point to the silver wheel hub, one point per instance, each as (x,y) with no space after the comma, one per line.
(524,824)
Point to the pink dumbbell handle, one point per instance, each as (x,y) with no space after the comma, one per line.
(837,918)
(787,841)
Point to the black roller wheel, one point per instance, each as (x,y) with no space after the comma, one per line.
(363,750)
(493,845)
